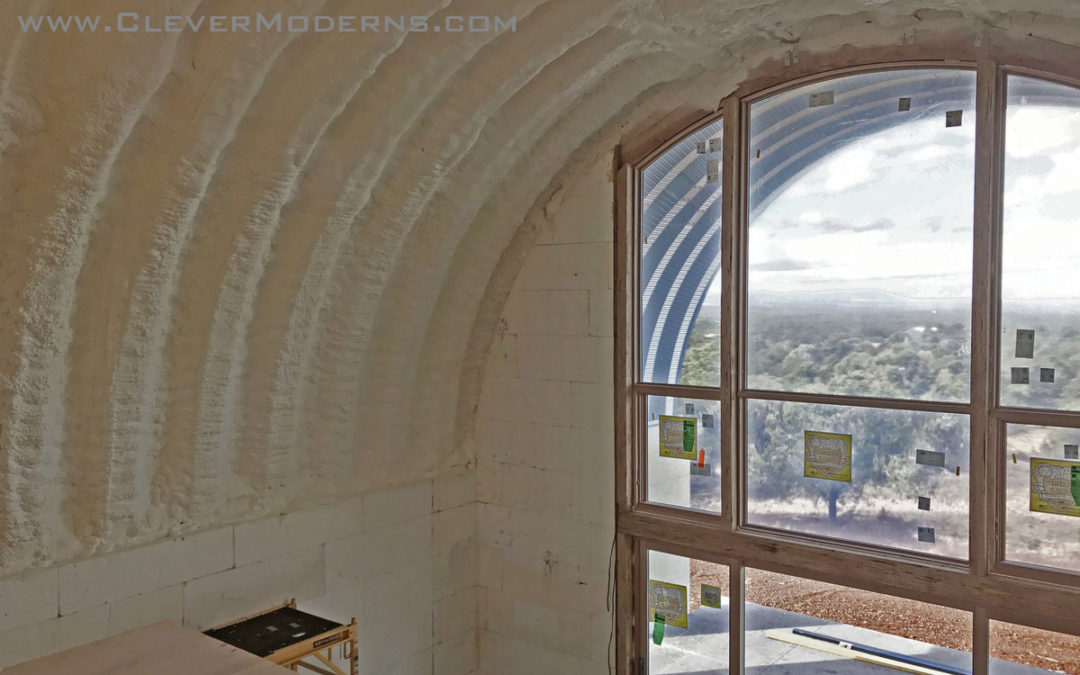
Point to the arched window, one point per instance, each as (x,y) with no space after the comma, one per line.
(852,338)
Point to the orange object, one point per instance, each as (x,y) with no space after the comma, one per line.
(701,458)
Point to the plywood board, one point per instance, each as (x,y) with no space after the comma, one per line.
(165,648)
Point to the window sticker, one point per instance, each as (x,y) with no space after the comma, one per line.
(904,105)
(715,144)
(1020,376)
(707,420)
(1046,374)
(711,596)
(827,456)
(1072,451)
(713,171)
(954,118)
(1025,343)
(701,148)
(821,98)
(924,503)
(668,600)
(926,534)
(1055,486)
(689,408)
(929,457)
(678,437)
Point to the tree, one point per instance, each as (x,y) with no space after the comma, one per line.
(889,354)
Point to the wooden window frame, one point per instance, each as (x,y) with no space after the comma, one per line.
(985,585)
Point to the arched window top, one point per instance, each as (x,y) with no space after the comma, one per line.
(680,246)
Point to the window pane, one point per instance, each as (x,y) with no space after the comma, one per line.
(702,645)
(1040,340)
(1043,650)
(683,463)
(860,236)
(792,626)
(900,480)
(1042,496)
(680,259)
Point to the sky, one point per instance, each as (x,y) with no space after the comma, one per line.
(893,212)
(1041,247)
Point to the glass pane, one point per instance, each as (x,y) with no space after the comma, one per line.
(793,626)
(860,239)
(1040,340)
(683,465)
(886,477)
(680,259)
(1041,650)
(1042,496)
(701,646)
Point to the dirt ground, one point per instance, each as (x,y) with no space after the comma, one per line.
(907,618)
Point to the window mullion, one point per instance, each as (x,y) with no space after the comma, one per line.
(980,641)
(985,478)
(730,373)
(737,619)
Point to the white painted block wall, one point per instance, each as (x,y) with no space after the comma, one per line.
(501,569)
(545,432)
(401,561)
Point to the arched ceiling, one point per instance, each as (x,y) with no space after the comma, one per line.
(239,272)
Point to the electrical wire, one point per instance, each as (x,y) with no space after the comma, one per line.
(611,603)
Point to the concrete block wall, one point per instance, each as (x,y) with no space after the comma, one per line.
(545,464)
(401,561)
(501,568)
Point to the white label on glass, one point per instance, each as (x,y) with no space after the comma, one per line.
(1025,343)
(701,148)
(929,457)
(715,144)
(713,171)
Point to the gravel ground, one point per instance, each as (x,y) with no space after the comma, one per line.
(897,616)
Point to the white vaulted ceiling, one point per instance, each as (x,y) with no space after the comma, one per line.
(240,272)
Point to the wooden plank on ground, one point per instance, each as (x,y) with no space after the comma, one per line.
(841,652)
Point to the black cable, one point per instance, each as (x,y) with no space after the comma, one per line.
(611,603)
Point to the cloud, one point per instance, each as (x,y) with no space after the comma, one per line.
(782,265)
(833,225)
(855,166)
(1018,165)
(1037,130)
(1060,206)
(933,151)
